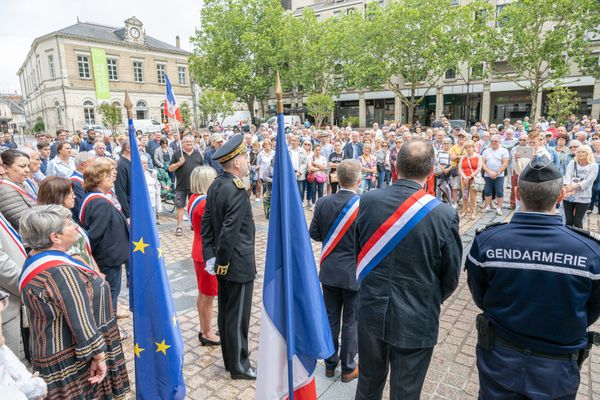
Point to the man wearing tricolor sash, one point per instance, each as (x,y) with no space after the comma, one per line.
(333,224)
(409,254)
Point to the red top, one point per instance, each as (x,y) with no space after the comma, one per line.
(466,167)
(196,220)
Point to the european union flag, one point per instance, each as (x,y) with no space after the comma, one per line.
(158,345)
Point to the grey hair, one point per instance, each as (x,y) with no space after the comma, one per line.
(201,178)
(348,172)
(39,222)
(82,157)
(540,196)
(143,157)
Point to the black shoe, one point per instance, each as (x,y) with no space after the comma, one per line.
(329,372)
(249,375)
(207,342)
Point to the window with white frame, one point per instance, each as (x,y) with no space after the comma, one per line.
(89,113)
(138,71)
(51,66)
(160,73)
(182,75)
(83,62)
(113,74)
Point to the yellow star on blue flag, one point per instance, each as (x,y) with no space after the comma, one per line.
(158,373)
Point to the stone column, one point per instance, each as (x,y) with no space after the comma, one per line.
(595,96)
(439,101)
(486,103)
(397,108)
(362,110)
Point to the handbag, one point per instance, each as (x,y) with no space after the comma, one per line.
(310,177)
(478,183)
(333,177)
(320,177)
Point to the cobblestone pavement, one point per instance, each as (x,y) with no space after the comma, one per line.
(452,373)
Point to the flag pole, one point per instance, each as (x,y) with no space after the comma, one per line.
(289,321)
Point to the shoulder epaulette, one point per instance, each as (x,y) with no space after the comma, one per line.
(478,231)
(592,235)
(239,183)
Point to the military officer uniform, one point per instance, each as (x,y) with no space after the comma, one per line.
(538,284)
(399,300)
(338,278)
(228,239)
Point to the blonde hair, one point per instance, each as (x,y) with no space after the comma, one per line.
(201,179)
(469,143)
(589,151)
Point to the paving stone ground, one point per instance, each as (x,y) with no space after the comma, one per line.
(452,373)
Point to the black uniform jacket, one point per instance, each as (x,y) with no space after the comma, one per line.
(399,300)
(339,267)
(228,229)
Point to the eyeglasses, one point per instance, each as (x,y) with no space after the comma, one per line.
(573,147)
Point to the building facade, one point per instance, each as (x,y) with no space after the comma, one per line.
(12,114)
(69,73)
(458,94)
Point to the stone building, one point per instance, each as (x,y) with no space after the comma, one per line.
(68,73)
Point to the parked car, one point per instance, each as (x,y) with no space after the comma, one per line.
(288,121)
(147,126)
(458,123)
(97,128)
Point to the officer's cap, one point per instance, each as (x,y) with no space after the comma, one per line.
(232,148)
(540,169)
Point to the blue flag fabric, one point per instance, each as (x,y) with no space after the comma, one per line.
(292,295)
(158,345)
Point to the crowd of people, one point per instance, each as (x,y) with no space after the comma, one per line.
(69,198)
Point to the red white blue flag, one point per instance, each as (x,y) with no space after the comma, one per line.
(294,331)
(171,107)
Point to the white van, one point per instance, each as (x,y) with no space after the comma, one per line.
(288,120)
(147,126)
(235,119)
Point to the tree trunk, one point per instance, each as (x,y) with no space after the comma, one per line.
(534,110)
(250,105)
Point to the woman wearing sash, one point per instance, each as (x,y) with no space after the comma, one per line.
(57,190)
(14,199)
(105,225)
(75,342)
(200,180)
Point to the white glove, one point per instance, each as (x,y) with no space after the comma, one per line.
(210,266)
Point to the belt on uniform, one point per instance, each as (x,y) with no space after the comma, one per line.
(562,357)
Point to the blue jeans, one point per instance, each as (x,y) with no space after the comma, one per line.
(380,179)
(494,185)
(301,189)
(366,184)
(315,188)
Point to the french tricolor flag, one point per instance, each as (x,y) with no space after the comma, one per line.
(294,331)
(171,107)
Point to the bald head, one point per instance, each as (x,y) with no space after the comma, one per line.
(415,160)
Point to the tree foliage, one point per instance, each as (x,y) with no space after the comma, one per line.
(214,102)
(39,125)
(186,114)
(111,116)
(538,41)
(562,102)
(320,106)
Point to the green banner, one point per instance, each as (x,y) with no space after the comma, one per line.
(100,74)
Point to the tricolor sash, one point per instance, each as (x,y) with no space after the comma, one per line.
(90,197)
(12,233)
(340,226)
(393,230)
(45,260)
(16,187)
(32,190)
(76,178)
(192,204)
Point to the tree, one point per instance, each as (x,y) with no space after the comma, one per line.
(238,47)
(111,116)
(320,106)
(215,102)
(39,125)
(562,102)
(408,44)
(186,114)
(538,41)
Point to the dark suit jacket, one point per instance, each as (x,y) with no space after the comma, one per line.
(339,267)
(399,300)
(123,184)
(348,150)
(228,229)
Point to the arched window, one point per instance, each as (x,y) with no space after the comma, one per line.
(59,121)
(120,108)
(89,113)
(141,110)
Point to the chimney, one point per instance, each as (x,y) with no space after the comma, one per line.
(177,42)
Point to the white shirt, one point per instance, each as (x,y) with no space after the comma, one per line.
(58,167)
(494,158)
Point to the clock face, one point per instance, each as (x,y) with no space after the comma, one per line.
(135,33)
